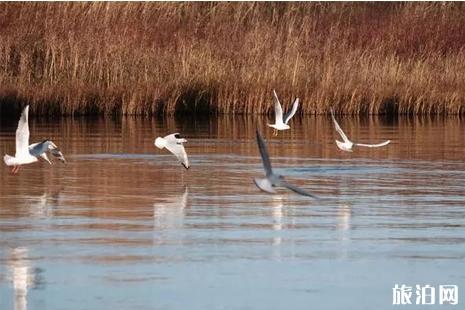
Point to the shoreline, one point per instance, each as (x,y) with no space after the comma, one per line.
(15,110)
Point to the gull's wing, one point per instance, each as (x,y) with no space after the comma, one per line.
(39,150)
(264,154)
(296,189)
(178,150)
(22,135)
(278,110)
(291,113)
(338,128)
(374,145)
(36,149)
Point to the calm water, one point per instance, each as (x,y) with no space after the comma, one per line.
(124,226)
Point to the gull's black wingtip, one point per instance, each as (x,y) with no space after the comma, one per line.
(187,167)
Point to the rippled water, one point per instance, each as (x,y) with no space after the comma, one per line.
(124,226)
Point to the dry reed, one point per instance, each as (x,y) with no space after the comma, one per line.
(146,58)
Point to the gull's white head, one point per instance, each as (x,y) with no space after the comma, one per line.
(160,143)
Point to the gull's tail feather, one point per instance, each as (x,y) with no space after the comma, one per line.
(9,160)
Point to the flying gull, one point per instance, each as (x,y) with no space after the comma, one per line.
(273,180)
(174,144)
(347,145)
(22,156)
(280,120)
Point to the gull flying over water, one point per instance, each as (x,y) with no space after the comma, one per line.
(40,150)
(174,144)
(25,153)
(280,119)
(273,180)
(22,156)
(347,145)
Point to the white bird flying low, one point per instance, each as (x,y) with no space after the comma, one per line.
(273,180)
(280,120)
(347,145)
(174,144)
(40,150)
(22,156)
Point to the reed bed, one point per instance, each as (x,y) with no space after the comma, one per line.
(147,58)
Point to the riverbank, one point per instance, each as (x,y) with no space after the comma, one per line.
(146,58)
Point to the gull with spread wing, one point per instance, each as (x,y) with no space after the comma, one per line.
(174,144)
(347,145)
(273,180)
(22,156)
(280,119)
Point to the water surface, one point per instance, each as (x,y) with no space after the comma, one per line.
(124,226)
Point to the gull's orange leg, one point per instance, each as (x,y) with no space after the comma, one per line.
(16,169)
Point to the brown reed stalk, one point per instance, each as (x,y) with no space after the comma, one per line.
(145,58)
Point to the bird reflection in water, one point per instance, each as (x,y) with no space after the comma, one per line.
(277,213)
(22,275)
(169,213)
(43,206)
(344,215)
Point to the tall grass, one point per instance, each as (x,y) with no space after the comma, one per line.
(145,58)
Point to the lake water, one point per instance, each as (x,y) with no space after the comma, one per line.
(124,226)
